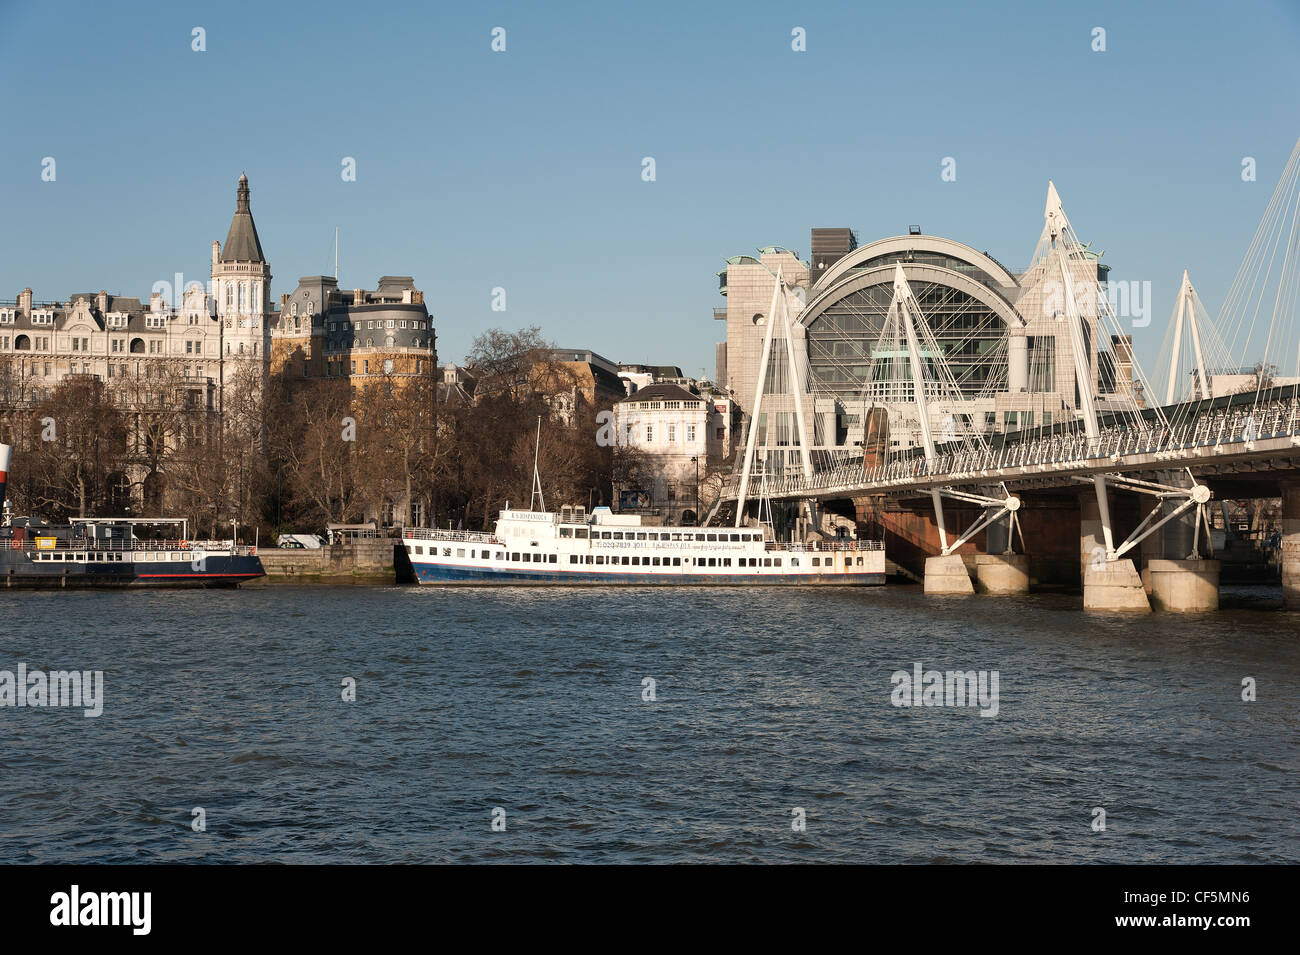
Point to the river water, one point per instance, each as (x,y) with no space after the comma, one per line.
(529,706)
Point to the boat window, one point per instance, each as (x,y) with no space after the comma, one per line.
(589,558)
(726,562)
(460,552)
(677,537)
(713,562)
(735,537)
(636,561)
(713,537)
(817,561)
(553,559)
(566,532)
(446,552)
(655,561)
(777,563)
(582,533)
(600,560)
(514,556)
(618,535)
(604,535)
(859,561)
(573,558)
(767,561)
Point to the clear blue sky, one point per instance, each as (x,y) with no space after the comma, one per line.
(522,169)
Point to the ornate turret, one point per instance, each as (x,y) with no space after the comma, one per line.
(242,244)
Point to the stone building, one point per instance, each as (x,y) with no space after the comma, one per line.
(356,334)
(670,440)
(193,355)
(117,337)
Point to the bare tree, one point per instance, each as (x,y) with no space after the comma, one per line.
(78,449)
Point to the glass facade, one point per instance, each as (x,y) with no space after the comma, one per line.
(845,336)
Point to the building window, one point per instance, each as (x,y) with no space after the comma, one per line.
(672,433)
(690,434)
(649,434)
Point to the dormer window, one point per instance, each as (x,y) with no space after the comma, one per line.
(6,316)
(116,319)
(44,317)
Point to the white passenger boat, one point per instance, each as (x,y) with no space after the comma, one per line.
(574,547)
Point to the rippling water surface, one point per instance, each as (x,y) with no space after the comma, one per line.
(531,700)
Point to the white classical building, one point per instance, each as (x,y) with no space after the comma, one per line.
(671,439)
(117,337)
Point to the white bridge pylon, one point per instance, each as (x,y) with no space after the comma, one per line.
(1067,250)
(1185,317)
(905,311)
(778,313)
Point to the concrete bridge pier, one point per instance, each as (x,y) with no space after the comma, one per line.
(1001,572)
(1185,586)
(1291,545)
(1112,585)
(947,575)
(1182,581)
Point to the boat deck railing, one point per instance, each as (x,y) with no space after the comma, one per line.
(101,545)
(822,546)
(433,533)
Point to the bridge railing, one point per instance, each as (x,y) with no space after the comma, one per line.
(1211,428)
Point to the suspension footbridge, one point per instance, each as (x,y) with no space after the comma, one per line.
(1223,417)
